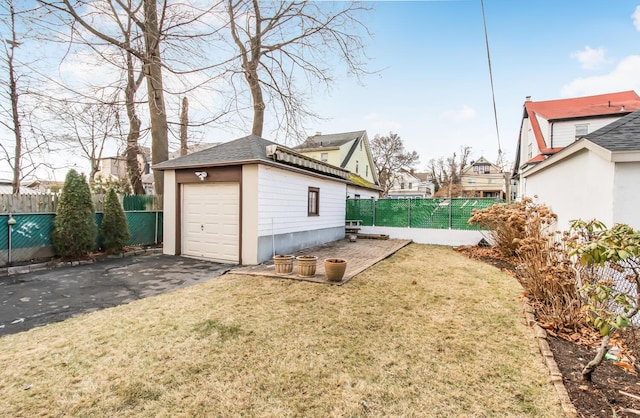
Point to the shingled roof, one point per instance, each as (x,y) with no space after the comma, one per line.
(247,148)
(328,141)
(621,135)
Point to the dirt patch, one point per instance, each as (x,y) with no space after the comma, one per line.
(603,396)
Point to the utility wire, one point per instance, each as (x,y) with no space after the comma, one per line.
(493,94)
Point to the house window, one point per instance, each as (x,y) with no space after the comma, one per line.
(357,196)
(410,186)
(402,185)
(324,157)
(481,168)
(360,145)
(314,201)
(357,165)
(582,129)
(366,171)
(530,151)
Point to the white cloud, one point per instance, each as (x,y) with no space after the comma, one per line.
(462,114)
(589,58)
(623,77)
(636,18)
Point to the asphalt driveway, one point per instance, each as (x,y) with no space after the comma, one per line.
(34,299)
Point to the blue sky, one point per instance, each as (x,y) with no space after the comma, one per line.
(434,86)
(431,83)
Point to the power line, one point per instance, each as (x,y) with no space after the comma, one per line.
(493,94)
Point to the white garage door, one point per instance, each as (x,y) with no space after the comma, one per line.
(211,221)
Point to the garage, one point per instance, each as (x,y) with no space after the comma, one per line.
(211,221)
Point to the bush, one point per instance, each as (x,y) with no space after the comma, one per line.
(523,231)
(114,231)
(74,228)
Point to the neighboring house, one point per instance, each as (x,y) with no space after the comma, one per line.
(483,179)
(6,187)
(596,176)
(426,186)
(408,185)
(244,201)
(348,150)
(116,167)
(549,126)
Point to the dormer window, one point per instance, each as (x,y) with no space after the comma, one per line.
(357,166)
(481,168)
(324,157)
(582,129)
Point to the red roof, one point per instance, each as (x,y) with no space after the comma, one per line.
(620,104)
(602,104)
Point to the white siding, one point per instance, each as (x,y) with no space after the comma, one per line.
(352,191)
(564,133)
(580,186)
(544,129)
(626,194)
(528,140)
(282,202)
(169,215)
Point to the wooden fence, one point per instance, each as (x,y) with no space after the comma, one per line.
(48,203)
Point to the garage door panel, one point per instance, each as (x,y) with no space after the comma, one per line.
(211,221)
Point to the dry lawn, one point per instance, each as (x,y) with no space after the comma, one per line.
(452,344)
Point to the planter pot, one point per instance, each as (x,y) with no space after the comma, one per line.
(334,268)
(283,264)
(307,265)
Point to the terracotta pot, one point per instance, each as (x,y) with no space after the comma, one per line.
(307,265)
(334,268)
(283,264)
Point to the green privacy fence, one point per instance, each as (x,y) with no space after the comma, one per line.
(416,213)
(32,231)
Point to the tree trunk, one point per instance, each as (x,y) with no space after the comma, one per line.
(258,101)
(155,93)
(591,366)
(184,122)
(131,153)
(13,94)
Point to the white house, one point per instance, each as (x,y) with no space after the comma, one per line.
(549,126)
(597,176)
(244,201)
(409,185)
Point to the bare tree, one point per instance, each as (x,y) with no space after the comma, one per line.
(447,172)
(10,46)
(17,114)
(390,158)
(88,127)
(144,14)
(277,40)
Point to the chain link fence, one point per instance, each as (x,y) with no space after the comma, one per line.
(621,277)
(30,236)
(417,213)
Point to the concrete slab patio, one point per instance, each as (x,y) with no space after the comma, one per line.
(360,255)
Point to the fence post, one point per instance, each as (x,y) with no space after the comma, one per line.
(373,211)
(155,238)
